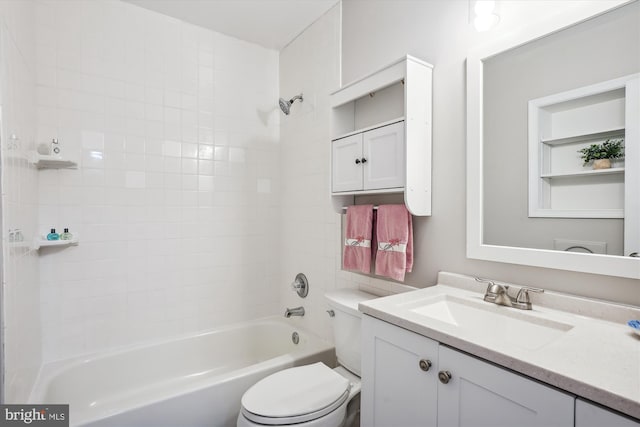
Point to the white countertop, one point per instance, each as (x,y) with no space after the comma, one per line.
(598,358)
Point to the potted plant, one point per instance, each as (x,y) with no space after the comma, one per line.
(602,154)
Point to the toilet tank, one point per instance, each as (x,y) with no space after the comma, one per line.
(346,325)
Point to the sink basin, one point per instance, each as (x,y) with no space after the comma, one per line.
(500,323)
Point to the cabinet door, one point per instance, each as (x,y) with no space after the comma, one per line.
(396,390)
(346,153)
(481,394)
(590,415)
(383,151)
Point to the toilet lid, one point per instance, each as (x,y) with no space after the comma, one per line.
(295,395)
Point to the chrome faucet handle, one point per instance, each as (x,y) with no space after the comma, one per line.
(301,285)
(493,288)
(523,293)
(522,299)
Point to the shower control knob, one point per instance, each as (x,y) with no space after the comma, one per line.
(444,376)
(357,161)
(425,364)
(364,160)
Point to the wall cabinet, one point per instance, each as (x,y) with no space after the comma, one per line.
(369,160)
(385,119)
(411,380)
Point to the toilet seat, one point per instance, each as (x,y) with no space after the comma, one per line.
(295,395)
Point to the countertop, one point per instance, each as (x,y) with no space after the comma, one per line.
(597,359)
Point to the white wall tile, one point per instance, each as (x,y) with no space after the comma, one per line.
(23,332)
(303,203)
(132,93)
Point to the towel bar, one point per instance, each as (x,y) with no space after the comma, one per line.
(344,208)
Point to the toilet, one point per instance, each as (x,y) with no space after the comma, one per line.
(315,395)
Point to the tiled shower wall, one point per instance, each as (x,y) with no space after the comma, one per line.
(309,65)
(175,200)
(311,228)
(21,318)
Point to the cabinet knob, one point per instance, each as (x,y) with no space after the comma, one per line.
(357,161)
(444,376)
(364,160)
(425,364)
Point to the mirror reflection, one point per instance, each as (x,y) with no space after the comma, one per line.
(545,105)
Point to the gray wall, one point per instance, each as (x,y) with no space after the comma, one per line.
(597,50)
(376,32)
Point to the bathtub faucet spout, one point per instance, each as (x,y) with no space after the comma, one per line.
(298,311)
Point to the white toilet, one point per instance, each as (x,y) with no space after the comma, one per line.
(314,395)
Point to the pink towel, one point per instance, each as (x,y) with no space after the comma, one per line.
(357,239)
(394,235)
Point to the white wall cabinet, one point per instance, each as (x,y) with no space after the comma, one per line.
(391,111)
(397,391)
(590,415)
(370,160)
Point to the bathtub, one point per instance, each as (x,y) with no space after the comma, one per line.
(191,381)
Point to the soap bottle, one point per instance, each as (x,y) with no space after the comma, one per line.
(53,235)
(66,235)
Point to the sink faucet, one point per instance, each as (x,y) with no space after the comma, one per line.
(297,311)
(499,294)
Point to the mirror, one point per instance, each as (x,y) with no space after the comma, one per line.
(532,106)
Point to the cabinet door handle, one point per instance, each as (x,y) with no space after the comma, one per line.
(425,364)
(357,161)
(444,376)
(364,160)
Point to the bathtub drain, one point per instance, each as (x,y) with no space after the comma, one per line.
(295,338)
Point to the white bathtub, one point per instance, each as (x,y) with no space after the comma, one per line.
(187,382)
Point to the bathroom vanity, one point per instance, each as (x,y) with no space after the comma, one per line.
(442,356)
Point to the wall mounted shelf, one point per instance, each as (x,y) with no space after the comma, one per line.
(584,173)
(40,243)
(560,126)
(381,136)
(585,137)
(42,161)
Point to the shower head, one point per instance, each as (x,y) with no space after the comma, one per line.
(285,105)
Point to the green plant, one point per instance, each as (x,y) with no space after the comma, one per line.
(610,149)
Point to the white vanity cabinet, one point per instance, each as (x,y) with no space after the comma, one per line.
(369,160)
(590,415)
(481,394)
(399,376)
(400,387)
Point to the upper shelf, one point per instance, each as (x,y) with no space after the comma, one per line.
(42,161)
(591,136)
(368,128)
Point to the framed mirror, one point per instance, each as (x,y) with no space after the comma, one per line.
(536,101)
